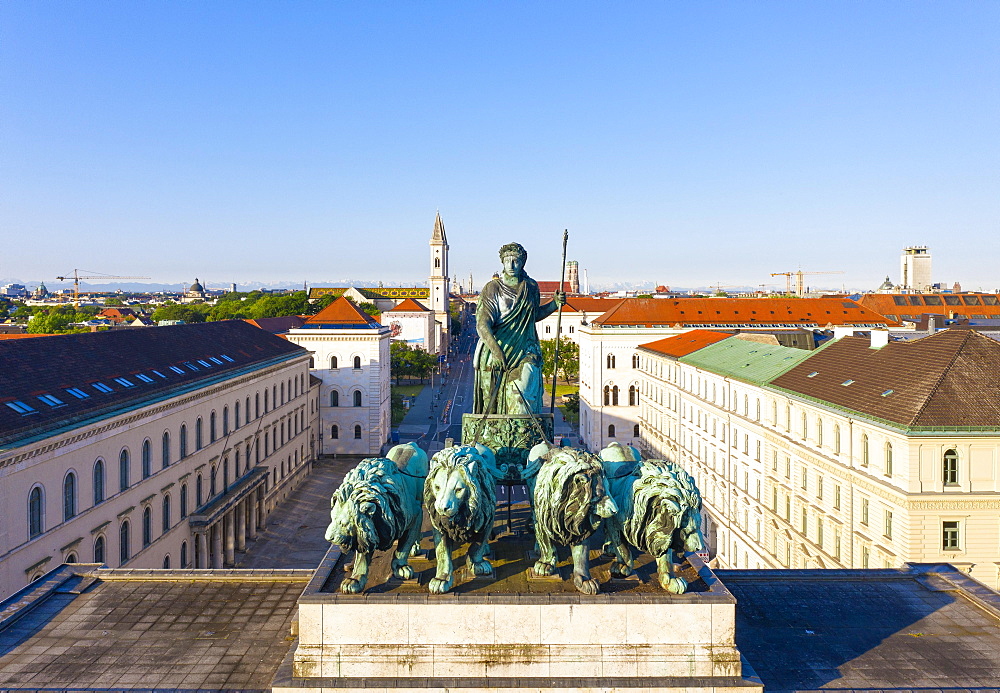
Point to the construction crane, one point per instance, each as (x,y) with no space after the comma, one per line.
(93,275)
(799,283)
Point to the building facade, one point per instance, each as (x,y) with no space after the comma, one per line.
(350,358)
(856,455)
(915,268)
(164,447)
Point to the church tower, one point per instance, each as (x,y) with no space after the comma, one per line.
(439,302)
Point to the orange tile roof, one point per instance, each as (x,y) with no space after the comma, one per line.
(344,313)
(589,304)
(409,306)
(686,343)
(24,335)
(754,312)
(912,306)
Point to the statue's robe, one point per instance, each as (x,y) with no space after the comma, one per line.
(510,313)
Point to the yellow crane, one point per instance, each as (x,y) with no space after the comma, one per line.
(93,275)
(799,283)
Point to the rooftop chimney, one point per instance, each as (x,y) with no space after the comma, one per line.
(879,338)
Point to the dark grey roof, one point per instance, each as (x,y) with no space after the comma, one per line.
(101,373)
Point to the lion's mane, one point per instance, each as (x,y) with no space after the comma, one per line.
(372,484)
(664,509)
(563,506)
(478,510)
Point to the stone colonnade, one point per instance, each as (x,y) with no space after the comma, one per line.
(216,542)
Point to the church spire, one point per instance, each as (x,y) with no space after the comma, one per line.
(438,234)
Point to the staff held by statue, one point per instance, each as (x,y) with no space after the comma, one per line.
(555,364)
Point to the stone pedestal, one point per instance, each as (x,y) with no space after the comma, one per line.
(509,436)
(474,641)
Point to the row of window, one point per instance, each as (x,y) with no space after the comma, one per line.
(611,396)
(335,432)
(335,398)
(612,431)
(334,363)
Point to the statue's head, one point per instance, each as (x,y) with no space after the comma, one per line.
(513,256)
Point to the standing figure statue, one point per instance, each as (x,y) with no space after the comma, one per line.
(508,357)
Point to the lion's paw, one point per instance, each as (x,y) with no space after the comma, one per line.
(674,585)
(351,586)
(620,570)
(586,585)
(440,586)
(415,550)
(543,568)
(403,572)
(482,568)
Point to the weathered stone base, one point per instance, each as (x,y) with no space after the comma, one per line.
(509,436)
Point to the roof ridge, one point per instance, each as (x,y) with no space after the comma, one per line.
(941,377)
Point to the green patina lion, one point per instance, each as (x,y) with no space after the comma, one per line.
(376,506)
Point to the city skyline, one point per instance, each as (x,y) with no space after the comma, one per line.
(681,145)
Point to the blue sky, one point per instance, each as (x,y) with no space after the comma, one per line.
(683,143)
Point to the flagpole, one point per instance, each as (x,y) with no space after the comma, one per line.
(555,365)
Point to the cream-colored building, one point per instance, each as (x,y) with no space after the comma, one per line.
(608,374)
(156,448)
(413,323)
(350,353)
(861,454)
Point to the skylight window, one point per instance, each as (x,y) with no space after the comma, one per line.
(847,382)
(813,374)
(227,358)
(20,407)
(191,366)
(177,370)
(205,364)
(101,387)
(51,400)
(159,374)
(215,360)
(887,393)
(77,392)
(143,378)
(125,382)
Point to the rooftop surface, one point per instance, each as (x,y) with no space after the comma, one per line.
(746,360)
(342,313)
(683,344)
(946,380)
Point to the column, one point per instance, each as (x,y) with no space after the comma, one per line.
(201,550)
(217,545)
(241,526)
(252,507)
(261,511)
(228,525)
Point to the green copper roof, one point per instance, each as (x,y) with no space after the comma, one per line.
(751,362)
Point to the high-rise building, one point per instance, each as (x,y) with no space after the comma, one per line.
(915,268)
(573,276)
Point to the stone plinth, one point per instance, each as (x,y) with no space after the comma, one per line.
(510,436)
(480,640)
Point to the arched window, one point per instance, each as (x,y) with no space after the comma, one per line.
(236,414)
(184,554)
(614,396)
(165,450)
(282,393)
(805,426)
(69,497)
(211,428)
(225,421)
(184,501)
(147,527)
(836,439)
(211,482)
(758,410)
(611,360)
(199,434)
(184,441)
(357,362)
(256,406)
(633,396)
(746,405)
(334,398)
(357,398)
(333,362)
(357,432)
(236,463)
(611,430)
(199,494)
(267,443)
(548,329)
(607,396)
(123,471)
(98,482)
(99,549)
(71,558)
(247,456)
(635,360)
(950,468)
(124,549)
(146,459)
(888,459)
(166,513)
(35,520)
(864,450)
(335,432)
(437,263)
(225,474)
(166,562)
(635,431)
(282,469)
(267,395)
(819,431)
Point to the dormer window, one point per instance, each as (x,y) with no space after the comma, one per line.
(20,407)
(101,387)
(51,400)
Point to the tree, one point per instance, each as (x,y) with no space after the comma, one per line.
(323,302)
(569,358)
(369,308)
(176,311)
(113,301)
(409,362)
